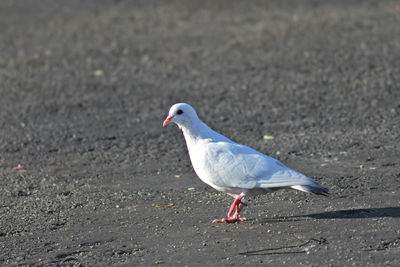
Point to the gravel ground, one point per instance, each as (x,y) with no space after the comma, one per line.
(85,86)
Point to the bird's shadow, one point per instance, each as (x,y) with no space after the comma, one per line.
(305,247)
(393,212)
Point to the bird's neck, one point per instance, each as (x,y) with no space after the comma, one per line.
(195,131)
(200,131)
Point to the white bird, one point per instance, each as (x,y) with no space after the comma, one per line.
(233,168)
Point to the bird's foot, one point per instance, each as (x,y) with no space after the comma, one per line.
(229,220)
(238,205)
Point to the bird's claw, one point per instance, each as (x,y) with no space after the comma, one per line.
(229,220)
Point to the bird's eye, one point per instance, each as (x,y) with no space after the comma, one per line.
(179,112)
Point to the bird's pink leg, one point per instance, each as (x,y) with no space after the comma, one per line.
(233,206)
(239,207)
(238,204)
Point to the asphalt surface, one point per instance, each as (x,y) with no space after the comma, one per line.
(85,86)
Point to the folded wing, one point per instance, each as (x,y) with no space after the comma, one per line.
(239,166)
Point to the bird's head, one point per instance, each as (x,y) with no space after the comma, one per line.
(182,114)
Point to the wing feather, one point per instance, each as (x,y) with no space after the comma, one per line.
(239,166)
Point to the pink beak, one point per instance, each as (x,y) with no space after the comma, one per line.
(167,120)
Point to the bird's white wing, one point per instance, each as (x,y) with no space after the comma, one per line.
(238,166)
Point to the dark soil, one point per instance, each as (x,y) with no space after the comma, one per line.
(85,86)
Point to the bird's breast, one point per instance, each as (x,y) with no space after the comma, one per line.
(202,163)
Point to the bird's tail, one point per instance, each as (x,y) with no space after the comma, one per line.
(312,188)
